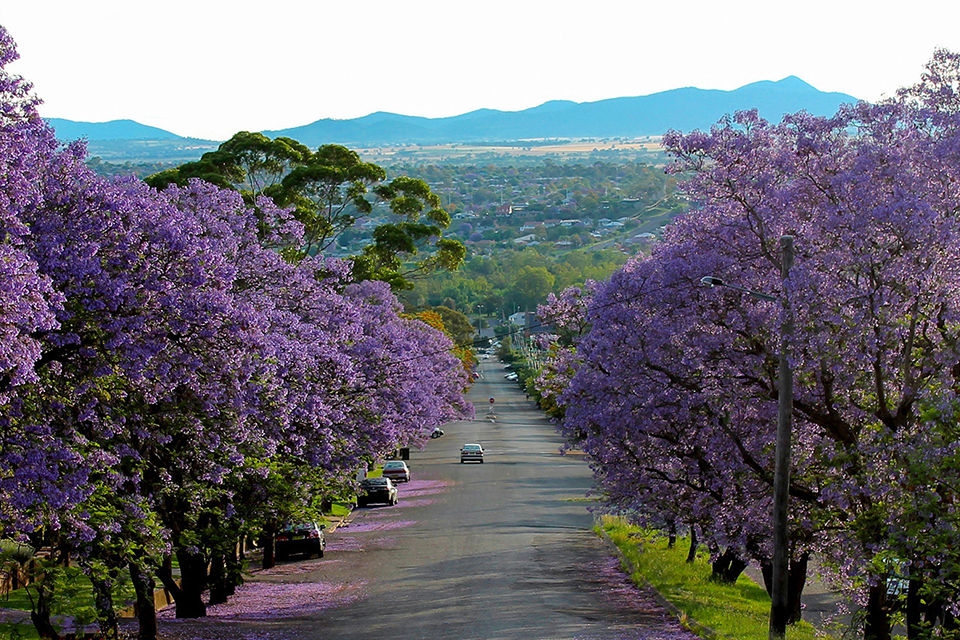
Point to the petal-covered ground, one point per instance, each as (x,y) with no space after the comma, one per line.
(272,600)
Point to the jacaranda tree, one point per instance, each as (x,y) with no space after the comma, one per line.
(674,389)
(162,362)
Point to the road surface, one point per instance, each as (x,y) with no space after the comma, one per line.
(499,550)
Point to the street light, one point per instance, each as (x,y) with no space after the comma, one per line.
(714,281)
(779,590)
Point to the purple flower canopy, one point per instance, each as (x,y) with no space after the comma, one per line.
(671,387)
(153,339)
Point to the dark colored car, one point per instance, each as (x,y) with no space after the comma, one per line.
(305,537)
(377,490)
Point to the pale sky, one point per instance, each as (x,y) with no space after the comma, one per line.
(211,68)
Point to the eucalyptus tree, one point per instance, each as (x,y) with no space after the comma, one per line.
(330,190)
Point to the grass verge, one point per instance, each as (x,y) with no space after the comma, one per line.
(710,609)
(10,631)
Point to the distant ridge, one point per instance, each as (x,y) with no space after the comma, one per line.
(69,130)
(683,109)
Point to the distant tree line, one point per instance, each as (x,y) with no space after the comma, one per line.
(511,280)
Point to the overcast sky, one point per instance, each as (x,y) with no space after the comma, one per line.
(210,68)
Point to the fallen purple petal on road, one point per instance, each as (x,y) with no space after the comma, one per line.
(275,601)
(368,525)
(343,543)
(416,503)
(423,487)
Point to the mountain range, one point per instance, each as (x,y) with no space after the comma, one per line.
(683,109)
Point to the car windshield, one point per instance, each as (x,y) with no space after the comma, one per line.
(393,465)
(471,447)
(375,481)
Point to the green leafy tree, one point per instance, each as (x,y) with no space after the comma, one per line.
(456,325)
(530,287)
(329,191)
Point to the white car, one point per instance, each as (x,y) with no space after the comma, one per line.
(396,470)
(471,452)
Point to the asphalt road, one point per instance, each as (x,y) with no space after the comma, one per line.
(499,550)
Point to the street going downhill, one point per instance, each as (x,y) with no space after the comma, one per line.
(499,550)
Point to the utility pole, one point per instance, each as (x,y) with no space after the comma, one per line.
(779,589)
(780,604)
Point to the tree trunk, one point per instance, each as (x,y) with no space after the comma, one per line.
(103,601)
(949,621)
(735,569)
(144,585)
(226,572)
(165,573)
(193,582)
(672,534)
(796,581)
(266,542)
(218,579)
(41,613)
(692,553)
(235,569)
(913,615)
(727,567)
(877,620)
(766,570)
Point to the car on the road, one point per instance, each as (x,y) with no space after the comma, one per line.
(302,537)
(471,452)
(377,491)
(396,470)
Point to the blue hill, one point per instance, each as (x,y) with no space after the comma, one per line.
(684,109)
(69,130)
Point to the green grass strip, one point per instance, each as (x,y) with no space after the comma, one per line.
(709,608)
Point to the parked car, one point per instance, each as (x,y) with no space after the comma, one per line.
(303,537)
(396,470)
(471,452)
(377,490)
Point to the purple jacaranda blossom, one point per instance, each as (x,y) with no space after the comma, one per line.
(673,389)
(168,377)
